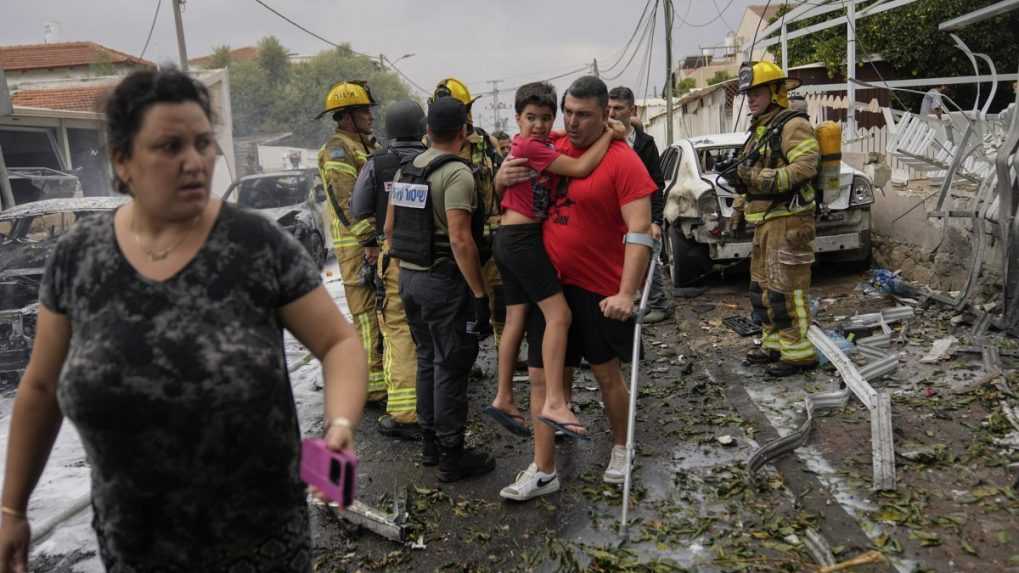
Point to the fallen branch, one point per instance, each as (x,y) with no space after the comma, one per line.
(868,558)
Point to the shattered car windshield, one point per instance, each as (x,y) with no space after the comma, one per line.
(713,155)
(271,192)
(41,227)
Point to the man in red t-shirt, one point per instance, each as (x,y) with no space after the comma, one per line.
(600,275)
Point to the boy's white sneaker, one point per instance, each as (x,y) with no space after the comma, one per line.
(530,484)
(616,472)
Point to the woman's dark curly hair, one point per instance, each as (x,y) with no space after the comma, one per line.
(126,105)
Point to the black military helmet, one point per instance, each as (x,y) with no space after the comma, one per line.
(405,120)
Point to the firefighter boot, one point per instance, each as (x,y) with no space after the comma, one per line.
(460,463)
(388,426)
(784,369)
(763,356)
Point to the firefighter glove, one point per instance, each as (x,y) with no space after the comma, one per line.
(481,326)
(765,180)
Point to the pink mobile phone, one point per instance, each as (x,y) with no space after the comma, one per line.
(331,472)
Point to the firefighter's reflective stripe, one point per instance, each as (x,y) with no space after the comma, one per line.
(800,350)
(339,166)
(361,227)
(805,146)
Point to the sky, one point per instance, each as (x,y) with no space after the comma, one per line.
(475,41)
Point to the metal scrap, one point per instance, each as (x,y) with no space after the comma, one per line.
(798,437)
(857,383)
(883,444)
(879,368)
(392,526)
(819,548)
(880,319)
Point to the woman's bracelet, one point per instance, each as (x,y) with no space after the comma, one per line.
(341,422)
(13,512)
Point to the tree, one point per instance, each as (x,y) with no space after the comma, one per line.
(274,60)
(685,86)
(908,39)
(261,107)
(220,58)
(719,77)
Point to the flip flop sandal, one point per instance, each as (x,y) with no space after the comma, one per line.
(512,423)
(564,427)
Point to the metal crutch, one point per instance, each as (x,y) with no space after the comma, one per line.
(634,368)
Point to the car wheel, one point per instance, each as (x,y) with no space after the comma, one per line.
(690,263)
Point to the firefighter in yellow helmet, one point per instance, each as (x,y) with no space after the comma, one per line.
(777,169)
(485,159)
(339,162)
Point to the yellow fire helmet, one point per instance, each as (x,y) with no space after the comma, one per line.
(452,87)
(354,93)
(767,73)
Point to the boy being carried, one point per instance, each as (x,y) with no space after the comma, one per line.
(528,274)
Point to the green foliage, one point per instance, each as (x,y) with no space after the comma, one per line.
(909,41)
(290,102)
(685,86)
(719,77)
(220,58)
(274,60)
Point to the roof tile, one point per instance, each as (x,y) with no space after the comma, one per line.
(79,98)
(62,55)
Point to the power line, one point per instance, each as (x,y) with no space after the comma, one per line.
(720,15)
(753,43)
(636,49)
(650,51)
(874,66)
(152,27)
(633,35)
(335,45)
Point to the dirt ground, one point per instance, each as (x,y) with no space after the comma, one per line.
(695,507)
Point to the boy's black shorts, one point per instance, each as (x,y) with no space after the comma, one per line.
(527,273)
(592,336)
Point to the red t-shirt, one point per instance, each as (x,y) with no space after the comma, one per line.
(539,153)
(585,228)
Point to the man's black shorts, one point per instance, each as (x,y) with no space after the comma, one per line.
(527,273)
(592,336)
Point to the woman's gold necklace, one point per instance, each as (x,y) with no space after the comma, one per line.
(156,255)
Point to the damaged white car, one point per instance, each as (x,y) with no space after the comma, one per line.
(698,207)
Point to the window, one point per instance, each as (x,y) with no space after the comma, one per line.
(669,162)
(29,148)
(711,156)
(89,161)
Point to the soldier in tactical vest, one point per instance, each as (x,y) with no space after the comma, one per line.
(405,126)
(435,226)
(779,163)
(484,159)
(339,162)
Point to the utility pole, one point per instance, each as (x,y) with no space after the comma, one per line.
(181,47)
(668,71)
(382,62)
(496,120)
(595,68)
(850,132)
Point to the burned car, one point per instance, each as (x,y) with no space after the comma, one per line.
(699,203)
(292,198)
(28,236)
(29,184)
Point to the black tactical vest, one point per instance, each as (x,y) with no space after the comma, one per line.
(414,219)
(386,163)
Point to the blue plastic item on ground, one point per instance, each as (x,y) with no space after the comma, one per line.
(843,343)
